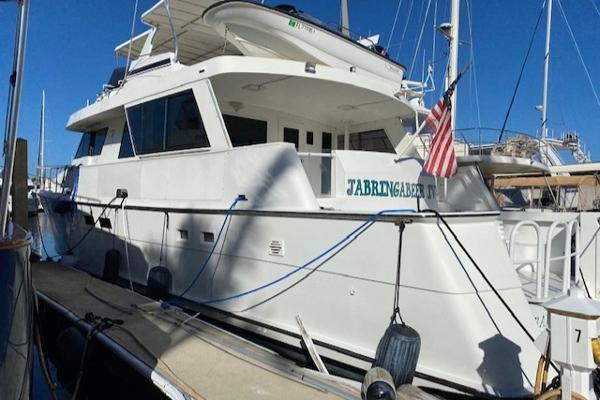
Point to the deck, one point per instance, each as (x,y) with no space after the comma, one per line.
(195,360)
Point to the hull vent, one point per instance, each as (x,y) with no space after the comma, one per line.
(276,248)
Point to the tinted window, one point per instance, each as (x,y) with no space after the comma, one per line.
(326,164)
(84,146)
(291,135)
(147,123)
(184,126)
(91,143)
(245,131)
(98,139)
(326,142)
(340,142)
(126,149)
(371,141)
(309,137)
(168,123)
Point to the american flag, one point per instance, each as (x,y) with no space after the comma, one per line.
(441,160)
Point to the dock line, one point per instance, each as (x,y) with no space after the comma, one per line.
(349,237)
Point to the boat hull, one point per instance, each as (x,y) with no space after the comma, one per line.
(469,341)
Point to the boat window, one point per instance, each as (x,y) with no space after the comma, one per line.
(376,140)
(126,149)
(84,146)
(291,135)
(97,142)
(340,142)
(91,143)
(168,123)
(245,131)
(326,163)
(309,137)
(184,127)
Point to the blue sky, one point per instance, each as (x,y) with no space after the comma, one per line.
(71,42)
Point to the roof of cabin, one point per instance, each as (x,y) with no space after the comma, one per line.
(196,40)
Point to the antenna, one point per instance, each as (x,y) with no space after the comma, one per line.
(167,4)
(345,28)
(544,128)
(40,177)
(453,66)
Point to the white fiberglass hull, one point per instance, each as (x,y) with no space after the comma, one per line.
(469,340)
(261,31)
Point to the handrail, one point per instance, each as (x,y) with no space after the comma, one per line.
(566,257)
(312,154)
(545,254)
(537,261)
(51,175)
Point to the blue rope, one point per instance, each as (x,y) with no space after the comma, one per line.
(341,242)
(212,250)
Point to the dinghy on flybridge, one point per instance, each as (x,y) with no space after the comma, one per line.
(284,32)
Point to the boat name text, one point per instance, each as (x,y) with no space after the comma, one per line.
(384,188)
(300,25)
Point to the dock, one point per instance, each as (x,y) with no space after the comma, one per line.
(191,360)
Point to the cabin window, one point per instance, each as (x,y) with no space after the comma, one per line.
(376,140)
(91,143)
(167,124)
(245,131)
(326,143)
(291,135)
(309,137)
(126,149)
(340,142)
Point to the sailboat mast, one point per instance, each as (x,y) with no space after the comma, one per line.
(345,20)
(453,65)
(544,128)
(42,141)
(13,118)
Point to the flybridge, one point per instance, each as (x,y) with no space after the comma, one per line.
(195,32)
(196,41)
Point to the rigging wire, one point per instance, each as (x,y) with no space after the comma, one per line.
(404,30)
(418,45)
(135,10)
(11,85)
(595,7)
(394,24)
(587,72)
(473,76)
(514,95)
(431,66)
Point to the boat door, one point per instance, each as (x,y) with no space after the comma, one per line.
(291,133)
(304,141)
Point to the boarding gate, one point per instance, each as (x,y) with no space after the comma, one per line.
(550,279)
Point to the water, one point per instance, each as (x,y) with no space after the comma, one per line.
(105,376)
(39,228)
(43,240)
(41,390)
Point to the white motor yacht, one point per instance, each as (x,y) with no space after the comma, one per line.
(269,188)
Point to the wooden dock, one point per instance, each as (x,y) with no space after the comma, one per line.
(194,360)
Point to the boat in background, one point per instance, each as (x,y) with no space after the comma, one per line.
(550,208)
